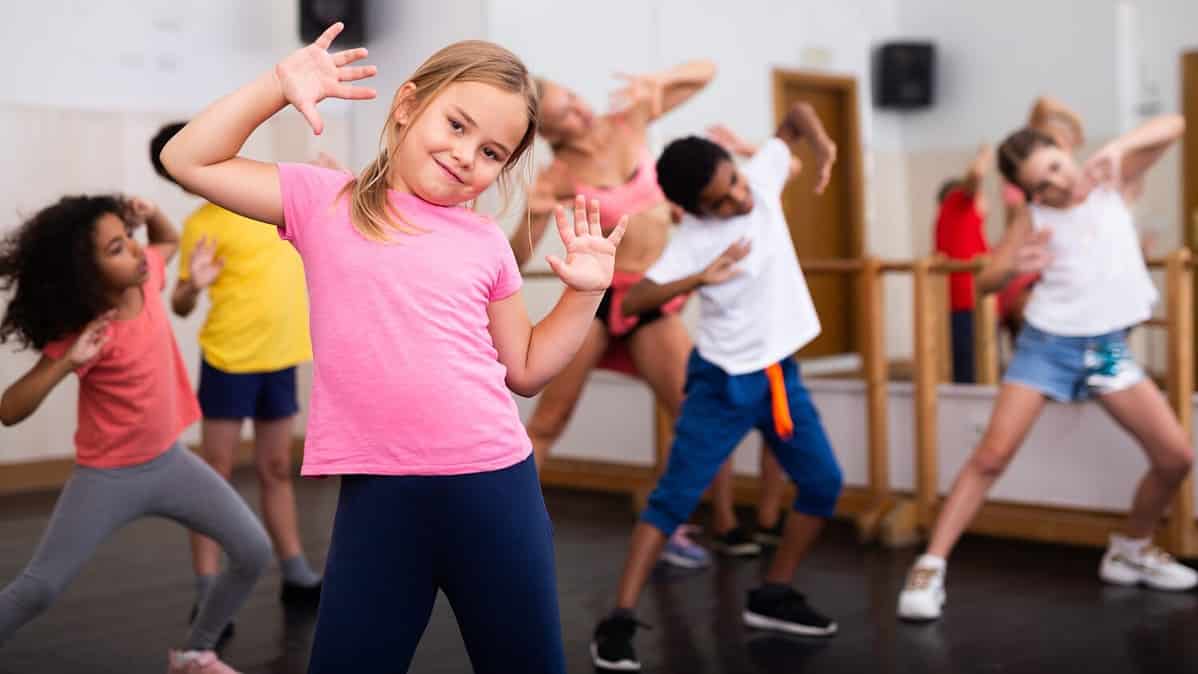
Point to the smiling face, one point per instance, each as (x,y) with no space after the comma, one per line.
(460,144)
(1050,175)
(727,194)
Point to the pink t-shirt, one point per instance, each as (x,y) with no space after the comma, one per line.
(406,378)
(134,397)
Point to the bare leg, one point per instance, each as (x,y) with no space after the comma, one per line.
(646,547)
(801,532)
(1145,413)
(218,441)
(557,401)
(272,461)
(773,488)
(1015,410)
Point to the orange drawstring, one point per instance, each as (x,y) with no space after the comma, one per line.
(783,424)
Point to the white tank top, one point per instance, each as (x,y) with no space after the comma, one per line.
(1097,282)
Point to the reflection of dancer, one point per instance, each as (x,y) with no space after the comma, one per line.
(254,335)
(420,335)
(607,157)
(960,236)
(756,314)
(88,296)
(1094,288)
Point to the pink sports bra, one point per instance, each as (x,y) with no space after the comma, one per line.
(637,195)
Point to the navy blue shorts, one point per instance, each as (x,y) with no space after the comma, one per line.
(253,395)
(719,410)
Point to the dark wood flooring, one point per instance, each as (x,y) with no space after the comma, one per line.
(1013,607)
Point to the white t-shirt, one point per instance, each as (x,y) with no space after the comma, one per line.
(1097,281)
(765,314)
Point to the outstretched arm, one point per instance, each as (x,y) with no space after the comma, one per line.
(535,354)
(971,182)
(1126,159)
(1051,116)
(203,156)
(647,97)
(802,123)
(26,394)
(647,295)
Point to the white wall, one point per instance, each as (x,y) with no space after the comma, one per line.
(401,35)
(92,83)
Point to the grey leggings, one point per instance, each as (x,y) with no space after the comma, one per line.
(96,502)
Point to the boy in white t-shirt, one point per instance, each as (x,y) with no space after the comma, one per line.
(1094,288)
(733,248)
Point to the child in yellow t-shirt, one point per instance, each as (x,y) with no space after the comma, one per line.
(255,334)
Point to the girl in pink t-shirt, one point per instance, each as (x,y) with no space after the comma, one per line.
(419,336)
(88,296)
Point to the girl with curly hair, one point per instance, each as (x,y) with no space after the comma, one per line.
(86,294)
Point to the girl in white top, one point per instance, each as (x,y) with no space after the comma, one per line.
(1078,233)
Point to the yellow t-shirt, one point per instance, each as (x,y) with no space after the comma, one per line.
(259,316)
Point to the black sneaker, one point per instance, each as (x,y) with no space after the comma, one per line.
(225,634)
(786,612)
(770,537)
(736,543)
(301,595)
(611,649)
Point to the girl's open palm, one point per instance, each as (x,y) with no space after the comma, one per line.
(312,74)
(590,258)
(93,337)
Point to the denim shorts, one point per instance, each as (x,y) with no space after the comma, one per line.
(1069,369)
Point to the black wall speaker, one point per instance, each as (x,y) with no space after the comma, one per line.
(905,75)
(316,15)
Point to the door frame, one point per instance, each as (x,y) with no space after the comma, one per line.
(847,154)
(1188,69)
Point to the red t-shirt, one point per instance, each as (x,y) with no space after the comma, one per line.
(134,397)
(959,237)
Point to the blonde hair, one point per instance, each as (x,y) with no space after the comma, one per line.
(466,61)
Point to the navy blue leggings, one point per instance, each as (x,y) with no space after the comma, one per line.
(483,539)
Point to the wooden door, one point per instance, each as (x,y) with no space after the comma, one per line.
(827,226)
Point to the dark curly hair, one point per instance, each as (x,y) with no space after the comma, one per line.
(158,142)
(50,265)
(685,168)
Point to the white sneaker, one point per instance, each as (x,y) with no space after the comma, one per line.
(1150,566)
(923,596)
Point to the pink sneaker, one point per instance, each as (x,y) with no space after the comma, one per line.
(196,662)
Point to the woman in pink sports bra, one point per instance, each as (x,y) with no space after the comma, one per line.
(607,157)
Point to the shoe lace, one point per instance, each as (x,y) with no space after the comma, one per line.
(921,578)
(1154,555)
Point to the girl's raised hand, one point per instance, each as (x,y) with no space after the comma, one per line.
(312,74)
(141,209)
(87,346)
(590,258)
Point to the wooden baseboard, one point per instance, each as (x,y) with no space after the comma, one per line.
(51,474)
(1050,524)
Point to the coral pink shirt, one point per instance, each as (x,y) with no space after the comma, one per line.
(407,380)
(134,397)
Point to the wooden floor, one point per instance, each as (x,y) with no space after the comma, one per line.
(1013,607)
